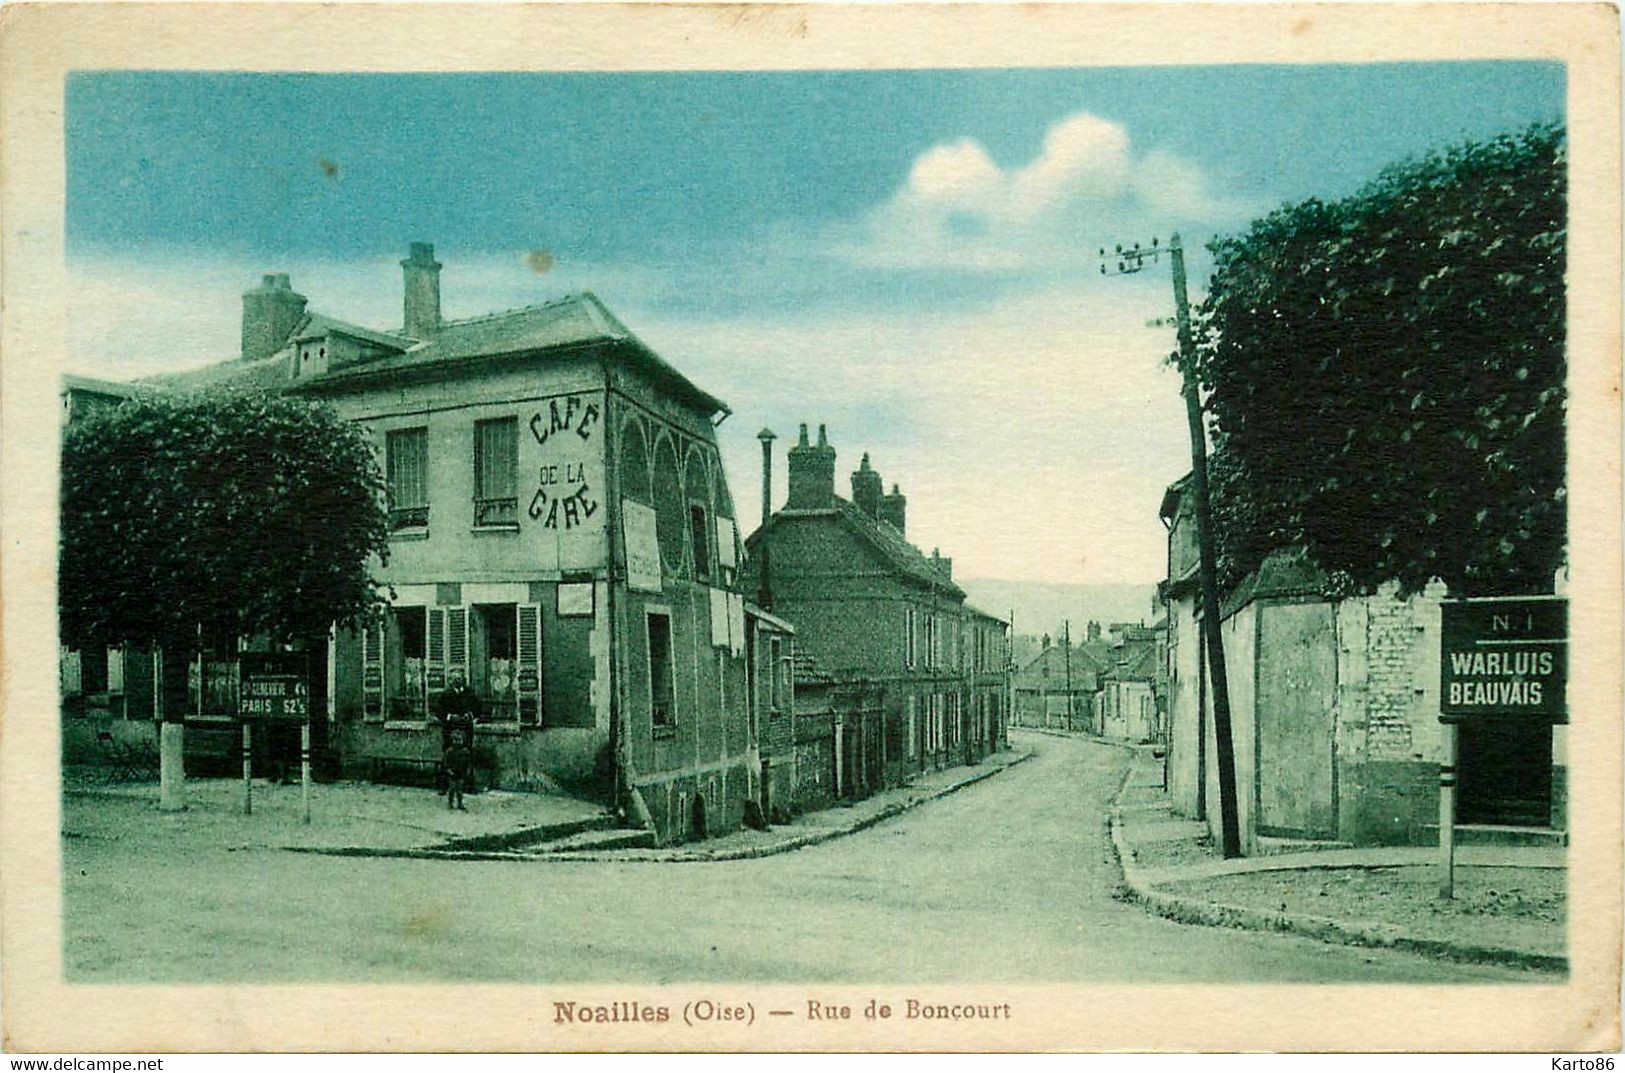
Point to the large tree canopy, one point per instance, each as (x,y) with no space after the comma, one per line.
(1385,375)
(241,514)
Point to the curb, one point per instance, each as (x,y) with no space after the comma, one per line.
(677,857)
(1189,910)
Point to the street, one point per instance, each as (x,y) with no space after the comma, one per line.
(1008,880)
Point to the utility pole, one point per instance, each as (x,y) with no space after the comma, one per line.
(1130,261)
(1066,628)
(764,590)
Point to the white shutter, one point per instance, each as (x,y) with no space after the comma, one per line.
(457,642)
(528,674)
(435,653)
(372,671)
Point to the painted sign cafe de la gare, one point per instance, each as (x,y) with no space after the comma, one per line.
(563,540)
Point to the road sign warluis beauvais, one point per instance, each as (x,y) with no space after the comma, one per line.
(1505,656)
(273,689)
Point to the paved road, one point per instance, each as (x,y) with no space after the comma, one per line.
(1009,880)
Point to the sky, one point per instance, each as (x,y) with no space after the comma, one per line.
(908,257)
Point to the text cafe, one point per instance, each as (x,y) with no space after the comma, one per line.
(1504,685)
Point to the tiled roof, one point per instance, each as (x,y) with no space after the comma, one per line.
(1284,572)
(973,609)
(1084,676)
(264,374)
(905,557)
(807,669)
(319,324)
(574,320)
(91,385)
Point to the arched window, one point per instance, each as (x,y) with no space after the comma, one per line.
(697,481)
(671,512)
(635,463)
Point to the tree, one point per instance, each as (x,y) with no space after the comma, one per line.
(1385,375)
(245,515)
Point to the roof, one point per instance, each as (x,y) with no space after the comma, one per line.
(752,611)
(90,385)
(1284,572)
(904,557)
(573,321)
(1084,673)
(973,609)
(319,324)
(1171,498)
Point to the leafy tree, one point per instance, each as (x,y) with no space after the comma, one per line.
(247,514)
(1385,375)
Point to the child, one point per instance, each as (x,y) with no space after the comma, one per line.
(459,758)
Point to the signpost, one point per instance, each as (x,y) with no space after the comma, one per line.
(274,688)
(1500,656)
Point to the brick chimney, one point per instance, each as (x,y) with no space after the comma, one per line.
(271,312)
(812,473)
(867,488)
(945,567)
(894,508)
(422,302)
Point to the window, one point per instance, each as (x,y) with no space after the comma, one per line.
(496,462)
(775,674)
(910,642)
(494,659)
(406,465)
(661,712)
(406,658)
(700,536)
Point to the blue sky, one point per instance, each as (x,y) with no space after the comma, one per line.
(907,256)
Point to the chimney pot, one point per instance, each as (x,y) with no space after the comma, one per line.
(867,488)
(802,441)
(812,473)
(894,509)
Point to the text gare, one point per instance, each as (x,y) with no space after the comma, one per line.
(547,506)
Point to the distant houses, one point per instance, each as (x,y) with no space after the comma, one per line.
(1110,685)
(563,536)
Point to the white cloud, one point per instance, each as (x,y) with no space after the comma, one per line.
(958,209)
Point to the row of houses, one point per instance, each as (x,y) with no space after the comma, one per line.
(1335,709)
(564,538)
(1111,685)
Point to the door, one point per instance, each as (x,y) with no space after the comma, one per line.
(1296,691)
(1504,772)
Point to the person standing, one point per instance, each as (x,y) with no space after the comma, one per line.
(457,708)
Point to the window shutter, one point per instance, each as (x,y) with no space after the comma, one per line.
(435,657)
(529,672)
(372,671)
(457,641)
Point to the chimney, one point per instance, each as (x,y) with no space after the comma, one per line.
(893,508)
(867,488)
(945,567)
(1093,630)
(812,473)
(271,312)
(764,591)
(422,274)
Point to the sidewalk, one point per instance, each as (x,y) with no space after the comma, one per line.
(1509,905)
(363,819)
(811,828)
(346,817)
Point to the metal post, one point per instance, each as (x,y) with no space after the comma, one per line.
(304,766)
(248,770)
(1447,813)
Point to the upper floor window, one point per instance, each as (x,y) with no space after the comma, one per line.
(661,710)
(406,467)
(496,464)
(910,638)
(700,537)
